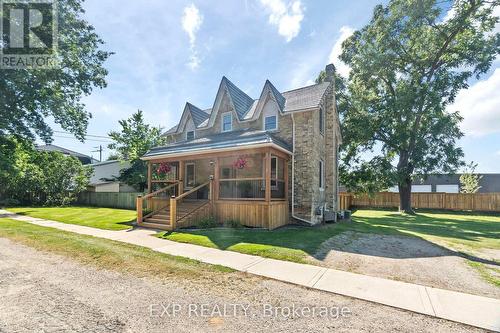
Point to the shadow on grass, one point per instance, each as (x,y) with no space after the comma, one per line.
(452,226)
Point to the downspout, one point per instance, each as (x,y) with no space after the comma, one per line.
(293,175)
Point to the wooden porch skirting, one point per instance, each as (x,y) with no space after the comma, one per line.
(253,213)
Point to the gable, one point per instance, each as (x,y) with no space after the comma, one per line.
(247,111)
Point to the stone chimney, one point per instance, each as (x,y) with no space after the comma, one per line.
(330,73)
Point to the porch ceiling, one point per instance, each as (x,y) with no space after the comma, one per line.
(230,141)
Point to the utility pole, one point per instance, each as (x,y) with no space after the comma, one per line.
(99,149)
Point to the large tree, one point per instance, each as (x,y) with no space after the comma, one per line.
(133,141)
(36,177)
(29,96)
(407,66)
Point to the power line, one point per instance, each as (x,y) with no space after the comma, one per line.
(91,135)
(73,138)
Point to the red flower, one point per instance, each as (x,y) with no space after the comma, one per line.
(164,168)
(240,163)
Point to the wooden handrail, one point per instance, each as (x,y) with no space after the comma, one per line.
(248,179)
(240,179)
(152,194)
(191,191)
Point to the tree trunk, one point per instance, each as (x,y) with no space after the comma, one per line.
(405,169)
(405,196)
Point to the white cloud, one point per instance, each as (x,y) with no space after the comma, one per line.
(191,23)
(343,69)
(286,16)
(480,106)
(498,153)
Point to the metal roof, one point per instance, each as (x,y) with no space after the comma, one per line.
(218,141)
(280,99)
(304,98)
(242,102)
(198,115)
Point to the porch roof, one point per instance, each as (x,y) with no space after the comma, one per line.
(222,141)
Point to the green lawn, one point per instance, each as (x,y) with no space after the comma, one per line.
(296,243)
(106,254)
(102,218)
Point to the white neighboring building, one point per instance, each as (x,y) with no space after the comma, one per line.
(102,180)
(414,189)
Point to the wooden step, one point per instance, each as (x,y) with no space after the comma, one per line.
(157,220)
(161,216)
(161,226)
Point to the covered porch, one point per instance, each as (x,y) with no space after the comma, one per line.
(245,184)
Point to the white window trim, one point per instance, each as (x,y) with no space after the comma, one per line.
(322,176)
(185,175)
(264,122)
(322,127)
(222,121)
(194,134)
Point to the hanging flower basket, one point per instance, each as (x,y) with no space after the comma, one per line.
(240,163)
(164,168)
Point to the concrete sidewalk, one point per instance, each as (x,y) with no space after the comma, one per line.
(469,309)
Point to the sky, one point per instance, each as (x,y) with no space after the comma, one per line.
(171,52)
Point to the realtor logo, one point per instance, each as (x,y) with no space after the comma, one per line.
(29,34)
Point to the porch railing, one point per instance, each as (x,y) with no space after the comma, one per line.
(198,192)
(154,201)
(250,189)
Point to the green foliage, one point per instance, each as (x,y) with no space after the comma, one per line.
(469,180)
(233,224)
(28,97)
(131,143)
(207,222)
(407,65)
(113,157)
(40,178)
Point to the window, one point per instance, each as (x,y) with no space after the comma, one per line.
(227,122)
(270,123)
(190,176)
(321,175)
(274,171)
(321,121)
(189,135)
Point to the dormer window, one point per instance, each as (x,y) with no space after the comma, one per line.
(227,122)
(270,123)
(189,135)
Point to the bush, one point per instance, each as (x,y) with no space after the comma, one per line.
(37,177)
(207,222)
(232,224)
(9,202)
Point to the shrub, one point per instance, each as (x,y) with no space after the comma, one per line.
(207,222)
(9,202)
(232,224)
(39,177)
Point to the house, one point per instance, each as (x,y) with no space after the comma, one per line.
(450,183)
(262,162)
(104,175)
(85,159)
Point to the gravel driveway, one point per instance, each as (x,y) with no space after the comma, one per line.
(407,259)
(42,292)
